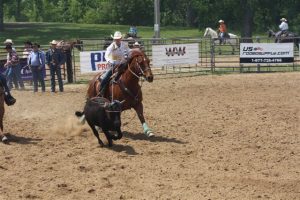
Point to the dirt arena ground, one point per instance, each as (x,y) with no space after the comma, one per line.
(217,137)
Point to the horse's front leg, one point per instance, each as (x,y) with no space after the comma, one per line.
(140,110)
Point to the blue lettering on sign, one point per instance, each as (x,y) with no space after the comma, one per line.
(97,57)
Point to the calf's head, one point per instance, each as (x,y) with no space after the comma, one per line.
(113,112)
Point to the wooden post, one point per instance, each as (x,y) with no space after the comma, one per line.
(69,65)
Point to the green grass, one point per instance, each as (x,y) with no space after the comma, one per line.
(43,33)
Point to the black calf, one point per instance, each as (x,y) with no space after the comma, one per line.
(100,112)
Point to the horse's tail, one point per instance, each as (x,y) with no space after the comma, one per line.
(81,116)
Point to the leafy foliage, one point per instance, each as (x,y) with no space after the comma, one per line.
(243,15)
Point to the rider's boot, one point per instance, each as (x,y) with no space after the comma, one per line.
(117,76)
(9,100)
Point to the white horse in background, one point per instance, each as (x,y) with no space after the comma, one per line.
(232,40)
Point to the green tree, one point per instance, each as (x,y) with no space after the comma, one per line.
(1,15)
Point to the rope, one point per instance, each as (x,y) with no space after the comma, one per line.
(126,123)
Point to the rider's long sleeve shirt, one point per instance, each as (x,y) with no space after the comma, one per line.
(284,26)
(116,54)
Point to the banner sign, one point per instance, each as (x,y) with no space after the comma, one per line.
(175,54)
(266,52)
(92,61)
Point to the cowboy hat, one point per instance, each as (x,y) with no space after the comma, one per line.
(221,21)
(53,42)
(117,35)
(283,19)
(8,41)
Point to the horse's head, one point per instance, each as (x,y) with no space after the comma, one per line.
(78,44)
(209,32)
(68,45)
(271,33)
(139,65)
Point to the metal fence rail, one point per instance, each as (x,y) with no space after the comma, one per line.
(213,57)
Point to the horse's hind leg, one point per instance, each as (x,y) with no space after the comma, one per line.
(140,110)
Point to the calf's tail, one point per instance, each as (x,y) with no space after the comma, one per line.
(81,116)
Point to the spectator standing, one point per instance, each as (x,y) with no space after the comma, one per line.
(13,68)
(9,42)
(54,60)
(36,61)
(8,72)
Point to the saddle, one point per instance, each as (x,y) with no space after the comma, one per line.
(120,68)
(226,35)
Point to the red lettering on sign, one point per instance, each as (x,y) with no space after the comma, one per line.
(102,66)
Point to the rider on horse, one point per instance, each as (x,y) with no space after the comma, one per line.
(132,31)
(222,31)
(283,28)
(116,56)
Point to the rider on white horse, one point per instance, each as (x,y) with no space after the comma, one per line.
(222,31)
(283,27)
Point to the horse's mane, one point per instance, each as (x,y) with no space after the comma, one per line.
(136,52)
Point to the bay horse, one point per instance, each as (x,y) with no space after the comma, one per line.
(232,40)
(69,45)
(290,37)
(127,87)
(2,136)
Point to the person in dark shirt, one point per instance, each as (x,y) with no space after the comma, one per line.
(54,60)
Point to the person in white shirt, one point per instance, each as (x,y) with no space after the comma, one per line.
(36,61)
(284,27)
(116,54)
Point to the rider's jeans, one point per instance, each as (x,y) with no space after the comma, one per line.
(106,77)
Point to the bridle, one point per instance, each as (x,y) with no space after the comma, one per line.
(141,72)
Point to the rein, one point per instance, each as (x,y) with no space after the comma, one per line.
(135,74)
(103,105)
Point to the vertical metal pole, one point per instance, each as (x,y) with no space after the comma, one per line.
(156,19)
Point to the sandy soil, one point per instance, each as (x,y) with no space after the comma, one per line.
(217,137)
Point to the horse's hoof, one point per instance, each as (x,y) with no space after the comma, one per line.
(101,144)
(149,133)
